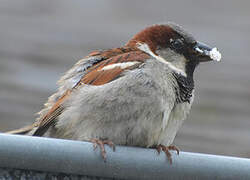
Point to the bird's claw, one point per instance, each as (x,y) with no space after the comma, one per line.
(101,144)
(166,149)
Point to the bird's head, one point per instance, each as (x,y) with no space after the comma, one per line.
(171,43)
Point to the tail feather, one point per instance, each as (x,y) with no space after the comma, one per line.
(23,130)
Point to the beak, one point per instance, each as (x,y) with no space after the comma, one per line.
(204,53)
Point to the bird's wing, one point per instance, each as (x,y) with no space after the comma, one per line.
(97,69)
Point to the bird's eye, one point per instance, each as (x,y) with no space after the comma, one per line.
(177,44)
(193,44)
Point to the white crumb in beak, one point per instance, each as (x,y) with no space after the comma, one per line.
(215,54)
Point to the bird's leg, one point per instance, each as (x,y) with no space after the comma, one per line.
(166,149)
(101,144)
(174,148)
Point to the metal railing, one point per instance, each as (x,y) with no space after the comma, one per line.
(76,158)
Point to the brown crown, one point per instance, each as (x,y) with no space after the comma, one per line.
(154,36)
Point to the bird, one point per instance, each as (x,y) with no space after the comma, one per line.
(138,94)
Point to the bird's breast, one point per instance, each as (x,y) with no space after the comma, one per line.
(173,122)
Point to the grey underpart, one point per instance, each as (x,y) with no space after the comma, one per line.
(137,109)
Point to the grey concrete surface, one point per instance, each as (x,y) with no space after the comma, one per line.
(10,174)
(40,40)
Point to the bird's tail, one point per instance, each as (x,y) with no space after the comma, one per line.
(23,131)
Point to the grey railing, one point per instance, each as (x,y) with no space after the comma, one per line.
(45,158)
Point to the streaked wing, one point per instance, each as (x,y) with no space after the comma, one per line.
(107,67)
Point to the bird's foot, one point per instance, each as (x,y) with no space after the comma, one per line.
(166,149)
(101,143)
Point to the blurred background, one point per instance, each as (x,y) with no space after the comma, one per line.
(40,40)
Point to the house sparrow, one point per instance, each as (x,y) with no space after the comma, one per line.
(135,95)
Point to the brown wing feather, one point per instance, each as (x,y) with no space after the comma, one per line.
(94,76)
(49,118)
